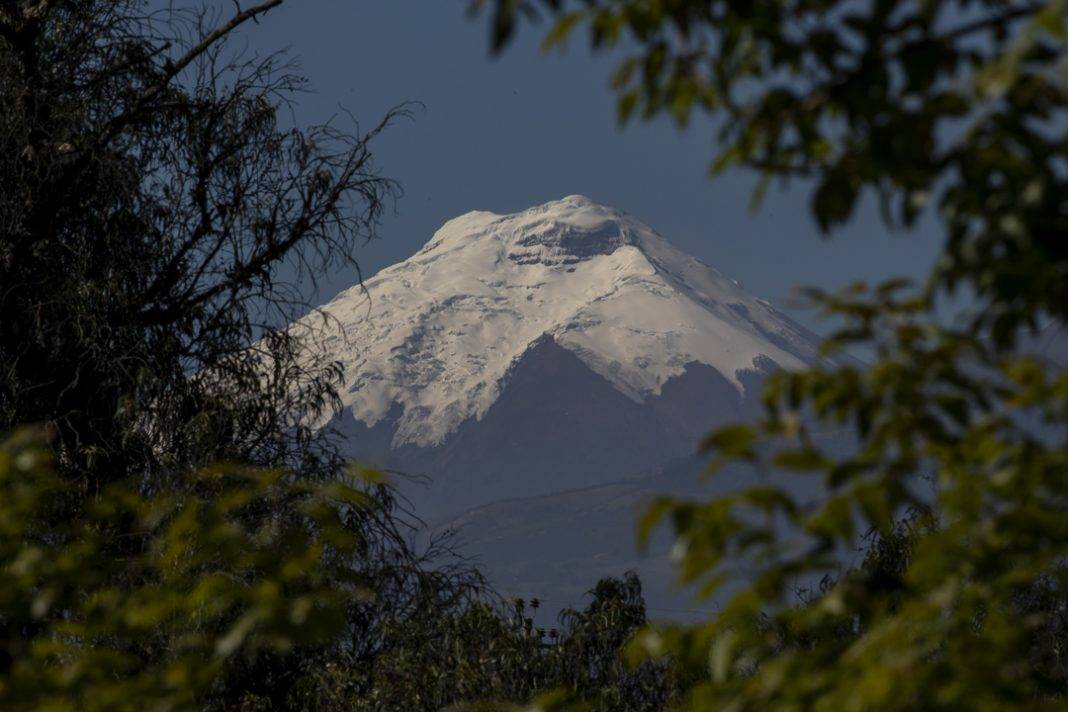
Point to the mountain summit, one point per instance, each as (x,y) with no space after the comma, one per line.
(429,343)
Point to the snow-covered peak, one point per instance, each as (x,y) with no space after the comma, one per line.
(438,333)
(563,231)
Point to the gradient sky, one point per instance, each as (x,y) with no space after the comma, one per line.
(506,133)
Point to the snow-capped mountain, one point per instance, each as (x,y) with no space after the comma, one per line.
(549,359)
(438,333)
(561,346)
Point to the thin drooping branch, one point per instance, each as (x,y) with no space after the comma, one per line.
(173,68)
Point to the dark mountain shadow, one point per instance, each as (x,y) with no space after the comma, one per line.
(556,426)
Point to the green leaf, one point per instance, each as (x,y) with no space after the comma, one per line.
(800,460)
(561,30)
(835,198)
(651,519)
(732,440)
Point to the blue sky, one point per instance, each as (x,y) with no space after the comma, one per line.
(507,133)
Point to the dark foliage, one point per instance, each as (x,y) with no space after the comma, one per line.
(150,203)
(156,220)
(957,110)
(496,654)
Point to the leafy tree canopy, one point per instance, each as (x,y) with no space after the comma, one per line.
(957,107)
(86,624)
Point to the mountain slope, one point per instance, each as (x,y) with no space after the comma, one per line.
(556,425)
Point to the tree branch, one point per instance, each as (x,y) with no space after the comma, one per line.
(174,68)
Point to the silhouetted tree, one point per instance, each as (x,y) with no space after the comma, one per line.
(157,216)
